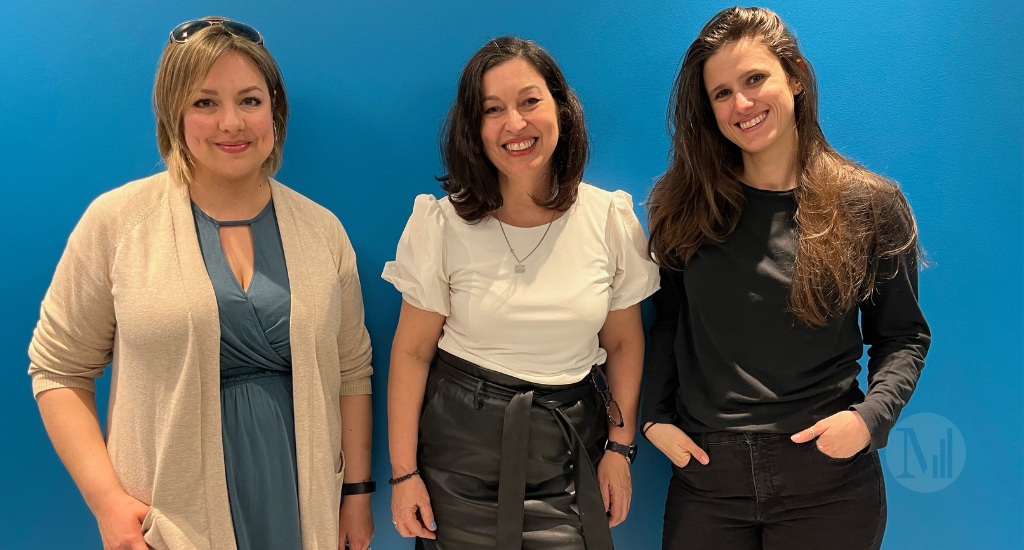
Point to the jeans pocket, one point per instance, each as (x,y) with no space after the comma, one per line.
(834,459)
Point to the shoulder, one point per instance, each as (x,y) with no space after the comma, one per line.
(304,208)
(428,210)
(115,212)
(616,204)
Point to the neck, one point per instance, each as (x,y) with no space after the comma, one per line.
(775,168)
(518,207)
(230,199)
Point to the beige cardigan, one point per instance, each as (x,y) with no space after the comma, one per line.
(132,288)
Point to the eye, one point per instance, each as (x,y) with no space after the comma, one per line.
(252,101)
(531,102)
(757,78)
(491,110)
(722,94)
(203,103)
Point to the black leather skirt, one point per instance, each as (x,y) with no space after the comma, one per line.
(509,464)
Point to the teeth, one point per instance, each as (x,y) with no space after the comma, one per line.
(753,122)
(521,145)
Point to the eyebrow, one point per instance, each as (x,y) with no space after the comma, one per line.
(245,91)
(744,76)
(496,98)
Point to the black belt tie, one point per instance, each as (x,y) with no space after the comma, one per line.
(515,439)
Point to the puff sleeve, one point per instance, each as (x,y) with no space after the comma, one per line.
(418,271)
(636,276)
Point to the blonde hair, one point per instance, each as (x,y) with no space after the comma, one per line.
(183,69)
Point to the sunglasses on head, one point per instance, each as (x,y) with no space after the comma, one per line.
(184,31)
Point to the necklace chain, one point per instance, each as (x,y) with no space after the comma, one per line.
(520,268)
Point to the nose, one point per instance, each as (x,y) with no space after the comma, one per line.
(514,121)
(742,101)
(231,119)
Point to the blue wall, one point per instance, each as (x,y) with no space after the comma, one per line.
(929,95)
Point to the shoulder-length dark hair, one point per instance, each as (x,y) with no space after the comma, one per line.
(470,179)
(848,218)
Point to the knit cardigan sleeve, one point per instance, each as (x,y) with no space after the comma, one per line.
(354,352)
(73,340)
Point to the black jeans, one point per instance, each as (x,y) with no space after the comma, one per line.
(762,491)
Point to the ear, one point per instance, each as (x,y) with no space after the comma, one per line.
(796,84)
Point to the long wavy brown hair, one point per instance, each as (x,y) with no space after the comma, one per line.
(848,217)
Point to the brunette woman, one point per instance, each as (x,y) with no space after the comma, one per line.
(780,260)
(230,307)
(525,284)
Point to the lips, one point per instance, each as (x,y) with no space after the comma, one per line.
(234,147)
(752,122)
(520,146)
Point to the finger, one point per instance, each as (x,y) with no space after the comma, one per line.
(615,508)
(626,500)
(427,513)
(416,526)
(411,523)
(697,452)
(606,496)
(140,544)
(810,433)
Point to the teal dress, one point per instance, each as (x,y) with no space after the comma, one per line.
(257,414)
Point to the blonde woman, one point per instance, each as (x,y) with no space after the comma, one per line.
(230,306)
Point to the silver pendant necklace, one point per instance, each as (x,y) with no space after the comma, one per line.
(520,268)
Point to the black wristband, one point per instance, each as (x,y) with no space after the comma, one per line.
(358,488)
(643,429)
(397,480)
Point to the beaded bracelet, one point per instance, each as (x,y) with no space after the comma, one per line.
(397,480)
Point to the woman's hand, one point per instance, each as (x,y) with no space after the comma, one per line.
(120,518)
(676,445)
(355,523)
(841,435)
(410,509)
(616,486)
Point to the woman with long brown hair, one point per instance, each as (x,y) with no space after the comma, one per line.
(771,244)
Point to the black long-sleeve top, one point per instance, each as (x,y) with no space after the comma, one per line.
(727,353)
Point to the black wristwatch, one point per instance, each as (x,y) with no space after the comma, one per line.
(628,451)
(358,488)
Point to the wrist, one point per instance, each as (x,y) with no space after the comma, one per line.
(627,452)
(105,498)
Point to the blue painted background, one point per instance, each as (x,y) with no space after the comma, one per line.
(928,94)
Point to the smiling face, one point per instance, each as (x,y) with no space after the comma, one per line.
(229,125)
(752,98)
(519,128)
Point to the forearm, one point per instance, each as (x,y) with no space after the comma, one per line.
(625,369)
(72,423)
(622,337)
(407,381)
(357,436)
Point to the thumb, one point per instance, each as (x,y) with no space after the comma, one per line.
(606,494)
(810,433)
(698,453)
(427,514)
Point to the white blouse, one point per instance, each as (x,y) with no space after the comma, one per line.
(540,325)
